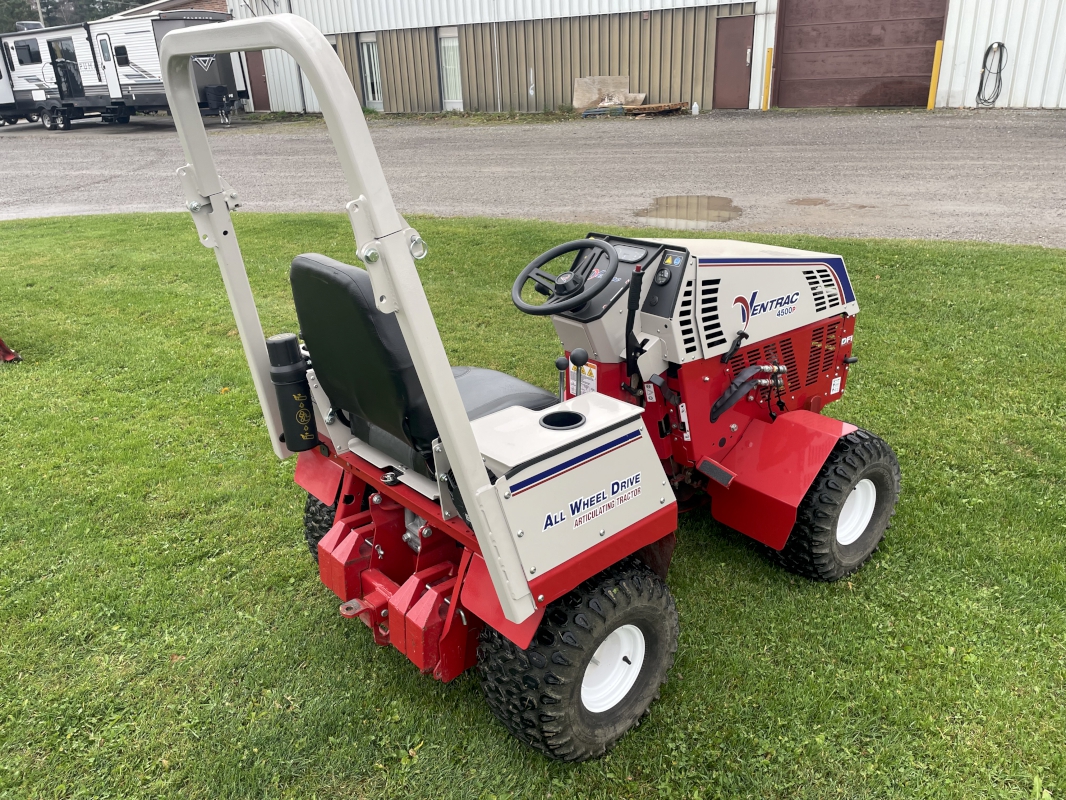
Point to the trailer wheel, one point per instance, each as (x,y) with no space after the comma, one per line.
(318,519)
(32,117)
(64,121)
(11,120)
(48,121)
(123,120)
(847,510)
(594,667)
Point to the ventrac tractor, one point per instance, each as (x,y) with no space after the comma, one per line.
(474,521)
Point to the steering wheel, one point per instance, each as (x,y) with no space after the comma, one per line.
(570,289)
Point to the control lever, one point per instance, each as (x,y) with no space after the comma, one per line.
(562,365)
(579,358)
(669,395)
(728,354)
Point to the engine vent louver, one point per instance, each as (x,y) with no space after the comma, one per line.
(823,288)
(687,319)
(780,352)
(814,360)
(830,346)
(710,320)
(788,358)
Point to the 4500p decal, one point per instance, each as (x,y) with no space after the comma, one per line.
(749,307)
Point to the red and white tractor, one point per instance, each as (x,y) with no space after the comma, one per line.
(470,519)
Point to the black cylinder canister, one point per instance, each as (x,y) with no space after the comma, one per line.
(288,373)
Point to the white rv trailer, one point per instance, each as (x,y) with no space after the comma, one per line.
(53,72)
(9,111)
(108,68)
(127,49)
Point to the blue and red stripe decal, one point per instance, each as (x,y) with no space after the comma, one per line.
(836,266)
(575,462)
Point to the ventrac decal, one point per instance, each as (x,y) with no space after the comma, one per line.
(752,307)
(585,509)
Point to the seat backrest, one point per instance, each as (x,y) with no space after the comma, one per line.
(358,353)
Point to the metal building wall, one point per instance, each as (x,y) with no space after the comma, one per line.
(1034,32)
(356,16)
(669,55)
(410,70)
(289,90)
(577,52)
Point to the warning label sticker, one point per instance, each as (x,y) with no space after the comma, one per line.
(588,378)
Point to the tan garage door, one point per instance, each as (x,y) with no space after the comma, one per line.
(856,52)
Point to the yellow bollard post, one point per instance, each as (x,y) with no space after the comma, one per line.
(766,79)
(936,74)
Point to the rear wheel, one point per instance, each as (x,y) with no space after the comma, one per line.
(64,121)
(32,117)
(847,510)
(318,519)
(48,121)
(123,120)
(11,120)
(594,667)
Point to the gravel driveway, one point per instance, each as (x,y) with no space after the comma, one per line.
(994,175)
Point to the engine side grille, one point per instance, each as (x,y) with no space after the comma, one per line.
(814,361)
(746,358)
(789,355)
(710,321)
(687,319)
(830,347)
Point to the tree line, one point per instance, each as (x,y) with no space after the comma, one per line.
(60,12)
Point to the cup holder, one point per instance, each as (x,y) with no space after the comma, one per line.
(562,420)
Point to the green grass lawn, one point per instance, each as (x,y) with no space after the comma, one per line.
(163,631)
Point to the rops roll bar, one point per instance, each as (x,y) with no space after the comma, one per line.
(383,241)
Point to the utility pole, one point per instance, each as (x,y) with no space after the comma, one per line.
(40,12)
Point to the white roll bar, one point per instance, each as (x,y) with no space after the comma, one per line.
(383,242)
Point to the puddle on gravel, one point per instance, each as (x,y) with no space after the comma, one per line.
(689,212)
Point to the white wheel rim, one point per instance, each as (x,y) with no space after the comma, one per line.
(613,670)
(857,512)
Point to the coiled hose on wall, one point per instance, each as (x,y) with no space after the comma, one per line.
(991,68)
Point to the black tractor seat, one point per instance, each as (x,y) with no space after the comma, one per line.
(363,365)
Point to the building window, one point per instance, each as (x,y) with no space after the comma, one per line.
(122,56)
(370,68)
(450,80)
(28,52)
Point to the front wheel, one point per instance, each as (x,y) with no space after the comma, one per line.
(846,512)
(318,519)
(593,669)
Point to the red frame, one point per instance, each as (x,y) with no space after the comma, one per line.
(431,605)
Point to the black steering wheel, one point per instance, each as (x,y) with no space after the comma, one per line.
(570,289)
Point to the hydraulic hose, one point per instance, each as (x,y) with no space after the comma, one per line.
(743,383)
